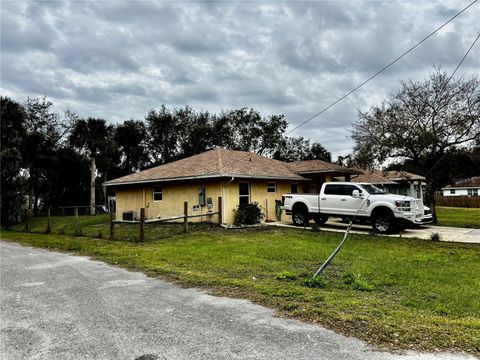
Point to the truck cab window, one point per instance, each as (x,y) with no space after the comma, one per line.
(348,189)
(333,189)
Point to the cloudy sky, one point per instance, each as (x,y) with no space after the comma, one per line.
(118,59)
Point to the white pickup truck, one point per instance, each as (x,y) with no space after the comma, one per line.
(387,212)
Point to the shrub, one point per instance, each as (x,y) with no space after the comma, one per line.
(248,214)
(315,282)
(290,307)
(441,310)
(357,282)
(435,236)
(286,275)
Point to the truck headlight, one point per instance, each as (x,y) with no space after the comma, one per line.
(403,205)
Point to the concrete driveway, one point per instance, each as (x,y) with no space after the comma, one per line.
(58,306)
(447,233)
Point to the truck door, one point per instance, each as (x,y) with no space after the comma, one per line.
(330,199)
(348,204)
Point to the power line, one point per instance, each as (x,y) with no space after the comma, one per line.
(446,83)
(347,231)
(384,68)
(463,58)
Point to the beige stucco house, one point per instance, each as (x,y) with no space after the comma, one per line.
(237,177)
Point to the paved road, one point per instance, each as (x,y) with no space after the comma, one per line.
(58,306)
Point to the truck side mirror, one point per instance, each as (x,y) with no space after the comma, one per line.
(357,194)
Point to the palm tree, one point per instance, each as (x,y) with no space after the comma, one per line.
(90,136)
(131,139)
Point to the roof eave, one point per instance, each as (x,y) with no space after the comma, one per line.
(349,172)
(240,176)
(409,179)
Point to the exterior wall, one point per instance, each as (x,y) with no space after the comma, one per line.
(175,193)
(173,197)
(415,189)
(259,194)
(315,184)
(129,199)
(458,192)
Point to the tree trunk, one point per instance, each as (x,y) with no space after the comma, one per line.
(430,197)
(35,203)
(93,173)
(31,192)
(434,211)
(30,199)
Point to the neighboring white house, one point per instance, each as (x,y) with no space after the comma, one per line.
(466,187)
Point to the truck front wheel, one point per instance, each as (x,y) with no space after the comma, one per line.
(384,222)
(300,216)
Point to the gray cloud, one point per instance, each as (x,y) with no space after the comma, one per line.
(118,59)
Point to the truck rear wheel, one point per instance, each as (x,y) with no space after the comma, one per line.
(384,222)
(320,219)
(300,216)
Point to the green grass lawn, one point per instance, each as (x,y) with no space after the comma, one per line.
(391,292)
(459,217)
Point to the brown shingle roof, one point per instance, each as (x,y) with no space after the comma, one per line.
(403,175)
(386,177)
(471,182)
(373,177)
(213,163)
(319,166)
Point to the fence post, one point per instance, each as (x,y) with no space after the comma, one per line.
(27,219)
(219,210)
(185,216)
(49,229)
(77,225)
(142,224)
(112,226)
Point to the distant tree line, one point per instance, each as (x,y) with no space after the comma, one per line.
(51,159)
(430,128)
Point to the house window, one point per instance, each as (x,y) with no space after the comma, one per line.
(271,187)
(472,192)
(244,193)
(293,188)
(157,193)
(452,191)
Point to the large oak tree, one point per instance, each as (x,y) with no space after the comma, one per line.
(421,123)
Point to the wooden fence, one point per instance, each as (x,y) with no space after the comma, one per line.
(458,201)
(144,221)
